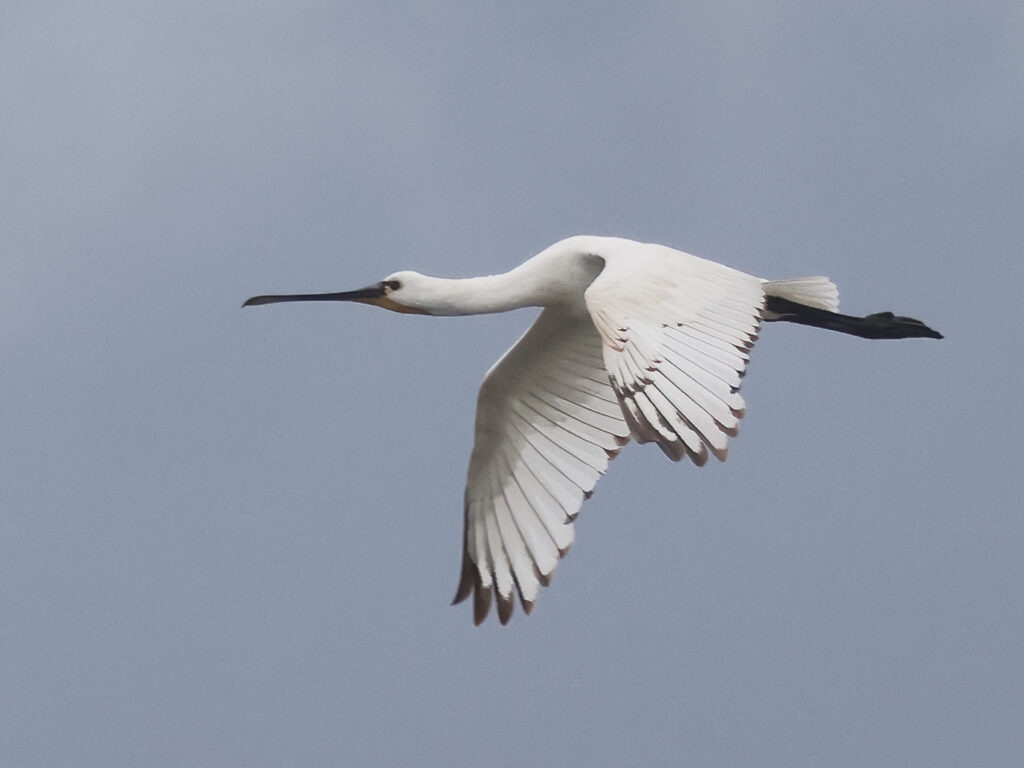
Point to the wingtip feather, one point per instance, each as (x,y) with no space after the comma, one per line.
(506,606)
(699,458)
(481,604)
(467,579)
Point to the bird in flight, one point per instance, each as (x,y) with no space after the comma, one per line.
(635,341)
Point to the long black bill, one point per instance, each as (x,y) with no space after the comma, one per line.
(362,294)
(881,325)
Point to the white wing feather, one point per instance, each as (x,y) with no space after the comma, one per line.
(659,358)
(547,423)
(676,332)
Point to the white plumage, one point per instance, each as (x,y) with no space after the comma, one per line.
(635,341)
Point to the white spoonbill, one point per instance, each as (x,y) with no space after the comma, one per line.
(635,341)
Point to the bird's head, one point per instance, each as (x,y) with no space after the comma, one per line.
(403,292)
(399,292)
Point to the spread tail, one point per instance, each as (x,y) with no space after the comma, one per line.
(817,292)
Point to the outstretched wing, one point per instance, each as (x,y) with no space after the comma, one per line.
(547,423)
(676,332)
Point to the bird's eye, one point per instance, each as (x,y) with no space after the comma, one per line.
(392,285)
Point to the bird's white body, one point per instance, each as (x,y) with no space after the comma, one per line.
(561,273)
(635,341)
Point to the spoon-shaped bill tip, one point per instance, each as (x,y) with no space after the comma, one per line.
(369,293)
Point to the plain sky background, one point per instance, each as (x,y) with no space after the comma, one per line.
(229,538)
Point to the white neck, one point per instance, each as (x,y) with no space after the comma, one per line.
(474,295)
(532,284)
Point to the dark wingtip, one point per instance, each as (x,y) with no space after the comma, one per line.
(543,578)
(467,580)
(481,604)
(506,605)
(481,598)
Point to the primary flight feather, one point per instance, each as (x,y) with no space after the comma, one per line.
(636,341)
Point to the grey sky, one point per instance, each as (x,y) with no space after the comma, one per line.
(229,538)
